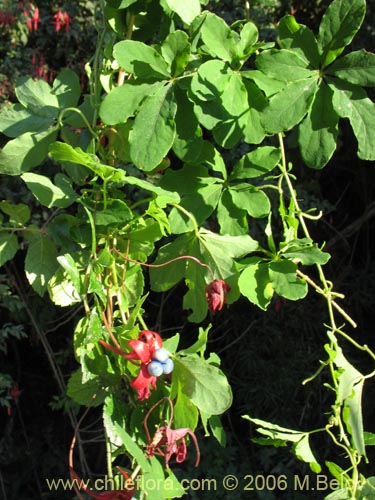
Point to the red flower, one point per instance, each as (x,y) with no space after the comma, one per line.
(14,393)
(173,441)
(61,19)
(143,349)
(126,494)
(33,21)
(216,294)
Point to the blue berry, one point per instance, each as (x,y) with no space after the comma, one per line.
(155,368)
(161,355)
(168,366)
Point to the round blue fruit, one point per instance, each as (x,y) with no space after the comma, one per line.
(155,368)
(161,355)
(168,366)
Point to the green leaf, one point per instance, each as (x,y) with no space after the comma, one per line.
(202,87)
(87,394)
(219,250)
(66,87)
(301,447)
(289,106)
(349,394)
(26,151)
(204,384)
(37,96)
(268,85)
(186,10)
(305,252)
(300,39)
(357,67)
(68,263)
(255,284)
(188,142)
(200,345)
(154,129)
(317,134)
(341,494)
(232,220)
(162,196)
(65,152)
(283,65)
(124,101)
(134,450)
(369,438)
(218,430)
(234,100)
(200,204)
(140,59)
(61,289)
(351,102)
(251,199)
(40,262)
(132,287)
(18,214)
(47,193)
(368,489)
(218,38)
(16,120)
(163,278)
(8,247)
(256,163)
(116,212)
(285,281)
(195,279)
(185,412)
(176,51)
(339,25)
(253,131)
(248,37)
(142,238)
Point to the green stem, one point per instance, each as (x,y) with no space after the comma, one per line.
(108,455)
(82,115)
(189,215)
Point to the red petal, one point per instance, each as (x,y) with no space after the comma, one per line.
(141,349)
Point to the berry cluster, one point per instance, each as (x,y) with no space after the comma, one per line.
(161,363)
